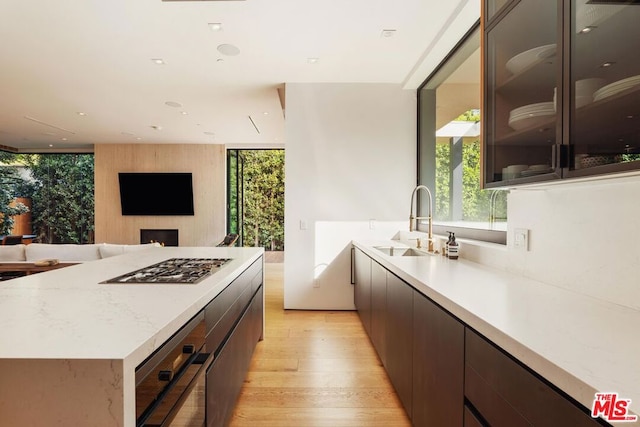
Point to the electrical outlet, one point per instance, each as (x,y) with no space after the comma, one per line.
(372,224)
(521,239)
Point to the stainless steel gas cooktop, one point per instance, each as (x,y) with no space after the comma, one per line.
(173,271)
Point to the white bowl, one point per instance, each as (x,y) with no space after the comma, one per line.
(616,87)
(530,120)
(586,87)
(539,167)
(538,108)
(525,59)
(516,168)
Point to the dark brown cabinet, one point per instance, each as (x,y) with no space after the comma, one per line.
(362,288)
(507,394)
(560,89)
(399,348)
(379,310)
(235,320)
(438,365)
(446,374)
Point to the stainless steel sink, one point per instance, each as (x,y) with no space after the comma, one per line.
(400,251)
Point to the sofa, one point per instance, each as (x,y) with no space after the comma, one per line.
(21,258)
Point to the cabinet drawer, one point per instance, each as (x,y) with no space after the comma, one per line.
(221,303)
(507,394)
(220,331)
(470,420)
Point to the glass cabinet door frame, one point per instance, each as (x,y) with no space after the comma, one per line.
(557,153)
(563,151)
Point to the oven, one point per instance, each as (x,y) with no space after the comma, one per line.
(170,384)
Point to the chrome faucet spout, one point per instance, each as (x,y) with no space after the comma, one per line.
(413,218)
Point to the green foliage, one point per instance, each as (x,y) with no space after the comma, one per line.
(10,182)
(476,203)
(264,198)
(62,197)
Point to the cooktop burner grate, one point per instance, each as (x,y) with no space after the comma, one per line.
(173,271)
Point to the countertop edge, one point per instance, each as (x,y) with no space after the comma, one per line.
(575,387)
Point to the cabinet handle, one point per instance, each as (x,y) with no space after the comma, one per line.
(165,375)
(188,349)
(353,262)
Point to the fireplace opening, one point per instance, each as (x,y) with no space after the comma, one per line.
(167,237)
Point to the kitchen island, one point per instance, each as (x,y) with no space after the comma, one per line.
(69,345)
(575,344)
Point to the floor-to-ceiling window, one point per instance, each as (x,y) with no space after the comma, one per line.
(450,154)
(50,196)
(255,197)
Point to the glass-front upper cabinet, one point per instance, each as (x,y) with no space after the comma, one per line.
(522,72)
(494,6)
(604,104)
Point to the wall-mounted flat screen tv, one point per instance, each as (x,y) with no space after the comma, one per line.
(156,193)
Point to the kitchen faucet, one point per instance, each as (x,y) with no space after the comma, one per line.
(413,218)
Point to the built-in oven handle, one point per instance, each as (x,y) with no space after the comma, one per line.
(167,374)
(170,401)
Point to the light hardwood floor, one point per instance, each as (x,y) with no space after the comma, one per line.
(314,369)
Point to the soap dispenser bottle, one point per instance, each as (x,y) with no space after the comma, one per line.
(453,247)
(445,247)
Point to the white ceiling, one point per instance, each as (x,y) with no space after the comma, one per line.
(94,56)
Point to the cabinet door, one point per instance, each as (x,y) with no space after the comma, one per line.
(520,125)
(362,289)
(438,365)
(399,340)
(507,394)
(228,371)
(379,310)
(604,91)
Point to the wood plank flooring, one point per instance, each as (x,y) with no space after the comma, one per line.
(314,369)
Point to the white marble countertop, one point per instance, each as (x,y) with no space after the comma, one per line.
(68,314)
(580,344)
(69,345)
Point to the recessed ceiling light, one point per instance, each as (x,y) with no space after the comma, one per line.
(156,127)
(138,138)
(313,60)
(388,33)
(586,30)
(228,50)
(158,61)
(173,104)
(184,113)
(607,64)
(266,113)
(63,139)
(50,145)
(81,113)
(215,26)
(630,116)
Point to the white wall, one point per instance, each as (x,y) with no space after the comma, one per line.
(584,237)
(350,157)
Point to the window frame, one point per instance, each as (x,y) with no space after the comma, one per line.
(426,164)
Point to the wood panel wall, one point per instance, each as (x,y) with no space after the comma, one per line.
(207,163)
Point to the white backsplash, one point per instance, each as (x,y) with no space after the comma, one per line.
(583,236)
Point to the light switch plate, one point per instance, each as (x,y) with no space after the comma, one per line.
(521,239)
(303,224)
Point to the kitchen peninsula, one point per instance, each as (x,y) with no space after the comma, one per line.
(70,345)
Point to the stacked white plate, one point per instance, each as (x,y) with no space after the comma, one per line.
(526,59)
(530,115)
(616,87)
(537,170)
